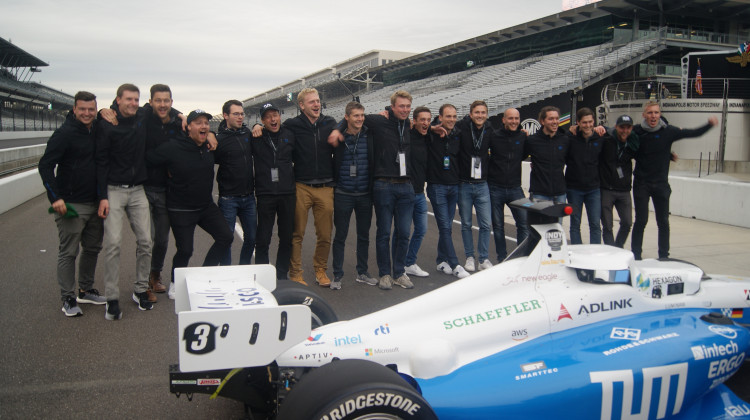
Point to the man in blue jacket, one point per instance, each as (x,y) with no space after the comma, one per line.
(73,189)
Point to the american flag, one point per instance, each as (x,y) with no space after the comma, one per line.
(699,79)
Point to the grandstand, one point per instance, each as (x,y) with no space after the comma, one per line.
(570,59)
(26,105)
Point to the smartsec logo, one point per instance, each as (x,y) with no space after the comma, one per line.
(534,369)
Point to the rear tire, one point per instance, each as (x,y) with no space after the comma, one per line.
(354,389)
(288,292)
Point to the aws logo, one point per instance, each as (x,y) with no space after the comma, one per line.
(519,335)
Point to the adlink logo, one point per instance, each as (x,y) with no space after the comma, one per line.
(612,305)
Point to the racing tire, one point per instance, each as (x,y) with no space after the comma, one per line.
(354,389)
(290,293)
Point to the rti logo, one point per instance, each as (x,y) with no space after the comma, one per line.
(382,330)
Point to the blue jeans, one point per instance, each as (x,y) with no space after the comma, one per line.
(244,208)
(394,205)
(499,197)
(444,199)
(592,199)
(343,206)
(420,228)
(477,196)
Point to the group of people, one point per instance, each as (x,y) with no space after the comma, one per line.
(155,166)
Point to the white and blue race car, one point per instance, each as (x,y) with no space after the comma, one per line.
(555,331)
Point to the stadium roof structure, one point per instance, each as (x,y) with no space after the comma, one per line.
(12,56)
(711,9)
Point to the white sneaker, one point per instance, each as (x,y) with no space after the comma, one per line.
(470,265)
(171,291)
(445,268)
(460,272)
(485,265)
(415,270)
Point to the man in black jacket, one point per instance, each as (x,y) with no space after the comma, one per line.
(504,179)
(121,172)
(189,201)
(651,174)
(352,160)
(162,123)
(419,136)
(313,174)
(235,177)
(616,177)
(393,194)
(582,178)
(442,188)
(548,149)
(274,189)
(71,150)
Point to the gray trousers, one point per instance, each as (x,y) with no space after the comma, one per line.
(85,233)
(130,202)
(624,204)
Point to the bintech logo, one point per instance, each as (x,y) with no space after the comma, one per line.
(702,352)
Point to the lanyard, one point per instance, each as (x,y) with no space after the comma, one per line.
(356,144)
(477,142)
(401,126)
(273,146)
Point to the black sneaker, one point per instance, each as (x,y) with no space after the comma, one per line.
(113,310)
(70,307)
(142,300)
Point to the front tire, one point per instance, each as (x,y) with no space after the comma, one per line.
(354,389)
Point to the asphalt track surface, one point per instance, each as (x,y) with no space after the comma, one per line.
(58,367)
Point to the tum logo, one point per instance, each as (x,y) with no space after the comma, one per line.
(665,373)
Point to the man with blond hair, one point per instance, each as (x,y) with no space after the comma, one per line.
(313,174)
(393,194)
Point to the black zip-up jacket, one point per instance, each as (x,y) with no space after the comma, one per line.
(158,133)
(120,152)
(468,133)
(313,156)
(547,161)
(617,155)
(191,172)
(234,155)
(266,158)
(582,172)
(438,148)
(340,153)
(389,142)
(418,160)
(71,149)
(655,152)
(505,158)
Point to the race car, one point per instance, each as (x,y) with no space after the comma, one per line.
(555,331)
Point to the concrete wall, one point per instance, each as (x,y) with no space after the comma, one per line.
(715,201)
(18,189)
(4,135)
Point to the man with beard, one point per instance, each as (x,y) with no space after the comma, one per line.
(235,177)
(548,149)
(651,174)
(190,166)
(504,179)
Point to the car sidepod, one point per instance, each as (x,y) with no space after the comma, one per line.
(668,364)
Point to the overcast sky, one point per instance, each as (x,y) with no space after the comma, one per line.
(211,51)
